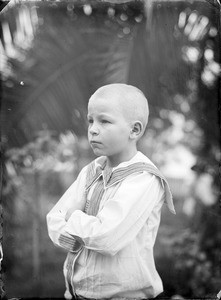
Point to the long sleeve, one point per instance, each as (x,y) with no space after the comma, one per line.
(72,199)
(121,217)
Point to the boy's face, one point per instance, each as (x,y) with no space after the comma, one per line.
(109,130)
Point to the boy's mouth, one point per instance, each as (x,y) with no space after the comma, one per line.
(95,142)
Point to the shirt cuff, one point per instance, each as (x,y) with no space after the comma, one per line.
(70,243)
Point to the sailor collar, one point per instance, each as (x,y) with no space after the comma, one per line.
(112,176)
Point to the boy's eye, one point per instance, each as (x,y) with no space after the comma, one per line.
(90,121)
(104,121)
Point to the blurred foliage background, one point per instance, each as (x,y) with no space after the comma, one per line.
(54,55)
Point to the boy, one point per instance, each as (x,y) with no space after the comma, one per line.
(109,217)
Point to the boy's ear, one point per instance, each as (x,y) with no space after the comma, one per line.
(136,130)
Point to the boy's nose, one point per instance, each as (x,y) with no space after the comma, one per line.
(93,129)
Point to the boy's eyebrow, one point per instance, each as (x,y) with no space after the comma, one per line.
(106,115)
(100,115)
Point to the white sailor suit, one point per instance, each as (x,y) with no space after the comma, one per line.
(111,233)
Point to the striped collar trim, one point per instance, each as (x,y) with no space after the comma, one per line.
(110,178)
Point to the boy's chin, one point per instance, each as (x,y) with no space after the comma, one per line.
(98,152)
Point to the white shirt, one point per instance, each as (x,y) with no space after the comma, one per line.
(116,257)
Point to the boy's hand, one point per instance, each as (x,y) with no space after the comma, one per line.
(69,213)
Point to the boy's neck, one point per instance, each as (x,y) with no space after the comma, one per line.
(113,162)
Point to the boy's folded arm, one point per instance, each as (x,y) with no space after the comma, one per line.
(121,217)
(59,236)
(56,219)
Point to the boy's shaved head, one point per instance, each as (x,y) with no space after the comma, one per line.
(131,101)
